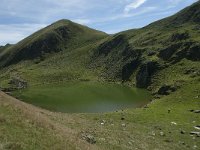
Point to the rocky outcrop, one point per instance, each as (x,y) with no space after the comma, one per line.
(167,53)
(117,58)
(143,77)
(194,52)
(129,68)
(18,83)
(179,37)
(176,52)
(14,84)
(166,89)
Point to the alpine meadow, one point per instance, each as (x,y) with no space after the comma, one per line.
(68,87)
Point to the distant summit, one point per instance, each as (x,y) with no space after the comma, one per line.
(54,38)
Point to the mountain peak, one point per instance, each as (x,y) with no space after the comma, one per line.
(56,37)
(63,21)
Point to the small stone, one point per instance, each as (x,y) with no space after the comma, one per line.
(195,147)
(122,118)
(89,138)
(195,133)
(180,142)
(123,125)
(196,111)
(153,133)
(197,127)
(103,122)
(182,132)
(173,123)
(162,134)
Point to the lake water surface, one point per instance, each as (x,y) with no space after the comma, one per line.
(85,97)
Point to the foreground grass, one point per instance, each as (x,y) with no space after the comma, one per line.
(148,128)
(26,127)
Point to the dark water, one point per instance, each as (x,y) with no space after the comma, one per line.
(85,97)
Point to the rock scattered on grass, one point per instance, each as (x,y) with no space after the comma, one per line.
(181,142)
(197,127)
(162,134)
(153,133)
(122,118)
(195,111)
(182,132)
(167,89)
(195,147)
(103,122)
(89,138)
(123,125)
(173,123)
(195,133)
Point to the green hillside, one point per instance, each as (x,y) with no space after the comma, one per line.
(163,58)
(55,53)
(67,51)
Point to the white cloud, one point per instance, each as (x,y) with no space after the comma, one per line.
(95,13)
(82,21)
(123,15)
(15,32)
(134,5)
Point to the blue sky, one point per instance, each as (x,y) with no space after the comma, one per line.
(20,18)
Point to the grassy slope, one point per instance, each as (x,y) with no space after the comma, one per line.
(141,124)
(142,130)
(24,126)
(66,60)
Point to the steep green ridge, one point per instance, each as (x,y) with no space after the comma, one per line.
(3,48)
(57,37)
(137,55)
(55,53)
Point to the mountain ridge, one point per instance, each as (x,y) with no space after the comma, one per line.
(133,56)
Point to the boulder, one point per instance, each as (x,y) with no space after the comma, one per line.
(18,83)
(166,89)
